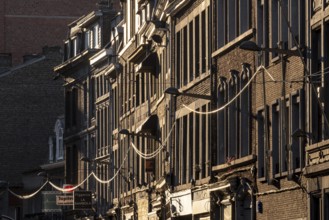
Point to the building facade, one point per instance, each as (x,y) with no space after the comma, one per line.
(30,104)
(209,109)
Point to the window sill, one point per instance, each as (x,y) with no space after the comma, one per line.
(235,163)
(316,170)
(195,81)
(262,179)
(232,44)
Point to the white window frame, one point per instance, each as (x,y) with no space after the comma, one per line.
(59,131)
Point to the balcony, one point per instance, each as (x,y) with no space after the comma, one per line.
(317,158)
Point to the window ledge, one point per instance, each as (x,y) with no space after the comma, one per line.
(183,187)
(235,163)
(233,43)
(315,170)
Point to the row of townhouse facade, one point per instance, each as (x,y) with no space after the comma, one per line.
(188,119)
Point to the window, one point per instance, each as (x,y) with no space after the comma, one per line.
(287,117)
(93,37)
(222,123)
(261,132)
(194,145)
(59,141)
(75,46)
(285,13)
(320,84)
(66,51)
(233,139)
(192,48)
(233,19)
(262,26)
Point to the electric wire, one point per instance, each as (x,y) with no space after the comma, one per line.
(30,195)
(157,151)
(235,97)
(70,189)
(116,173)
(304,64)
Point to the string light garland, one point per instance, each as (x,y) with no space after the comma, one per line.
(30,195)
(235,97)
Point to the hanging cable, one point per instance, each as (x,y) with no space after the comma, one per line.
(70,189)
(157,151)
(30,195)
(235,97)
(116,173)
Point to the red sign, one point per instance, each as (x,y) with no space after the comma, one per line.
(68,186)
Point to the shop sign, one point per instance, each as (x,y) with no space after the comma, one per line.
(49,201)
(82,200)
(64,200)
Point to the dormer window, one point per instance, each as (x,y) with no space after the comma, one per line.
(93,37)
(66,50)
(75,46)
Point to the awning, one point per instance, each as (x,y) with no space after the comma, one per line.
(139,53)
(148,63)
(149,125)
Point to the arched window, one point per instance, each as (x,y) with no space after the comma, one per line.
(59,131)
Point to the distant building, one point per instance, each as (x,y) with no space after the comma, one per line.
(87,104)
(30,104)
(27,26)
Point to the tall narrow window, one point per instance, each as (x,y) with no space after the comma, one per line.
(197,46)
(261,132)
(233,19)
(178,59)
(233,139)
(203,42)
(245,110)
(197,161)
(137,88)
(274,25)
(191,48)
(285,134)
(184,152)
(190,155)
(275,138)
(222,124)
(185,56)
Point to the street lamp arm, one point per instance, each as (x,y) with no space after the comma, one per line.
(126,132)
(294,52)
(252,46)
(175,92)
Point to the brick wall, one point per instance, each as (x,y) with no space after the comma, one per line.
(27,26)
(30,103)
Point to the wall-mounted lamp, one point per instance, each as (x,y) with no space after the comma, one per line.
(160,25)
(299,133)
(126,132)
(156,38)
(175,92)
(252,46)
